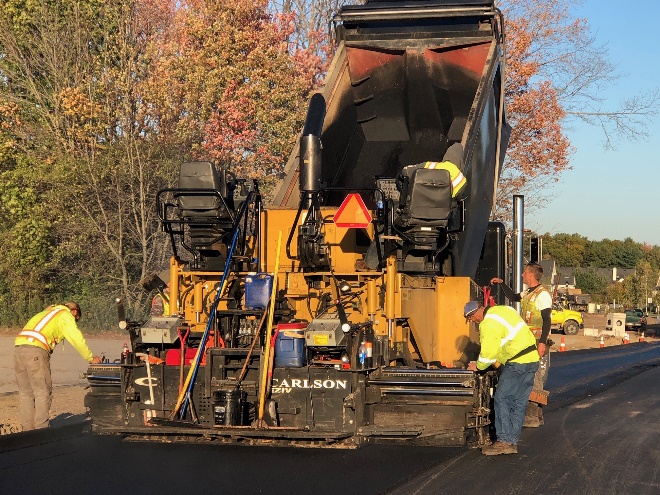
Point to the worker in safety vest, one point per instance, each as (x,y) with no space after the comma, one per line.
(536,310)
(457,178)
(507,344)
(452,160)
(160,304)
(33,347)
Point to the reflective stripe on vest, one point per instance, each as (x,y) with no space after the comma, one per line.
(36,334)
(512,330)
(487,361)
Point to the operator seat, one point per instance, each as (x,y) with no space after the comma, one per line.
(426,195)
(425,199)
(201,202)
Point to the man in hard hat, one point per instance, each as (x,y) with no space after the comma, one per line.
(33,347)
(536,310)
(507,344)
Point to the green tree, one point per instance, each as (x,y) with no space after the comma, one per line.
(627,253)
(592,283)
(566,249)
(73,71)
(600,254)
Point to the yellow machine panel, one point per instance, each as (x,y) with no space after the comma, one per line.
(435,313)
(346,245)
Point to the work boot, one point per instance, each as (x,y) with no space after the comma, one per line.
(532,416)
(498,448)
(540,416)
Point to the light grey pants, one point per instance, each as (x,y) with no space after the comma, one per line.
(35,386)
(541,376)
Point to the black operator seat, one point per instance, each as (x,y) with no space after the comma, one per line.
(201,206)
(427,198)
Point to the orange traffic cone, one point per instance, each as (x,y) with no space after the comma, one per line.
(562,346)
(602,342)
(626,338)
(641,336)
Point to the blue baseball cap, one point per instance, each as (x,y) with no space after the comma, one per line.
(471,308)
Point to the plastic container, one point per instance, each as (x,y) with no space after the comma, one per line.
(229,407)
(290,350)
(257,290)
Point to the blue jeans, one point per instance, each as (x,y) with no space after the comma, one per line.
(513,389)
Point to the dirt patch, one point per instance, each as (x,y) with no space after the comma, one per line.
(68,407)
(597,323)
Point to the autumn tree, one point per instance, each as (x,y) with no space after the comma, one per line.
(99,104)
(227,80)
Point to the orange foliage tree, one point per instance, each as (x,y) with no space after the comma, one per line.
(538,149)
(228,83)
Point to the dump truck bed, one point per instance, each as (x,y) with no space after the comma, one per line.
(408,80)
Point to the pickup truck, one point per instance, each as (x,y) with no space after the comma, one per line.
(566,320)
(635,318)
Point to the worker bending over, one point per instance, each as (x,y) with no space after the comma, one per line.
(33,347)
(507,344)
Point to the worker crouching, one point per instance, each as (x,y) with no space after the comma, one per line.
(507,344)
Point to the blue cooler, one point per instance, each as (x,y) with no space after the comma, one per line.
(290,345)
(257,290)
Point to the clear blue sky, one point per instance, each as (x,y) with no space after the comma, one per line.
(613,194)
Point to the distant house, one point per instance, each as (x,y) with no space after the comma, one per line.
(550,272)
(566,278)
(553,274)
(621,273)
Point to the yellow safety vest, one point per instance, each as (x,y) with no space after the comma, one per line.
(503,336)
(528,311)
(51,326)
(458,180)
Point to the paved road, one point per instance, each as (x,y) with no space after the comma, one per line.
(605,442)
(575,375)
(608,443)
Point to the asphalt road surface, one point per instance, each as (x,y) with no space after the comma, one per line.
(601,436)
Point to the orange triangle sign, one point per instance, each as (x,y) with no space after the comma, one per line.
(353,213)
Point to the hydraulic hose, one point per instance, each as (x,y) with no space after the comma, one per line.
(184,398)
